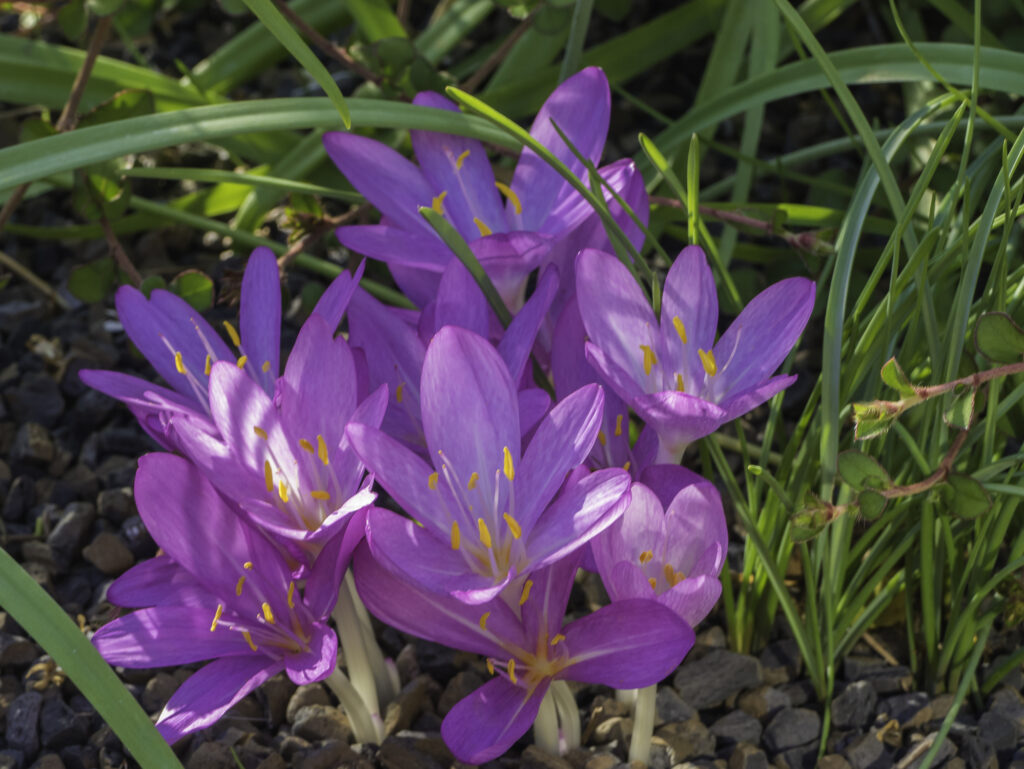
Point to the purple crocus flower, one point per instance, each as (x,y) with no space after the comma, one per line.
(490,512)
(673,374)
(183,347)
(629,644)
(668,549)
(225,593)
(542,220)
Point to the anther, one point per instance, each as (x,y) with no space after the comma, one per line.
(291,595)
(179,364)
(485,534)
(513,525)
(235,339)
(216,617)
(707,358)
(505,190)
(268,615)
(320,494)
(471,483)
(627,465)
(490,666)
(307,446)
(432,481)
(248,640)
(680,328)
(238,585)
(282,491)
(399,392)
(654,583)
(268,475)
(461,159)
(321,449)
(483,620)
(456,538)
(247,565)
(509,468)
(680,387)
(526,592)
(646,556)
(436,202)
(557,639)
(242,361)
(259,431)
(484,229)
(618,425)
(601,437)
(650,359)
(207,366)
(511,669)
(266,366)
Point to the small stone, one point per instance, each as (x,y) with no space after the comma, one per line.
(712,638)
(800,757)
(273,761)
(867,752)
(276,693)
(19,500)
(406,752)
(328,755)
(799,692)
(15,650)
(941,706)
(33,445)
(137,538)
(23,723)
(718,675)
(80,757)
(411,701)
(116,505)
(1009,703)
(1001,733)
(158,691)
(688,739)
(790,728)
(307,694)
(602,761)
(911,709)
(535,758)
(116,470)
(832,761)
(211,755)
(11,759)
(37,398)
(461,685)
(321,722)
(763,702)
(885,678)
(854,706)
(60,726)
(109,554)
(69,534)
(747,756)
(49,761)
(915,756)
(781,662)
(660,755)
(669,707)
(1014,679)
(979,753)
(736,727)
(614,729)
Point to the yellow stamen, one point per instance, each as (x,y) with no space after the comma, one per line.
(247,565)
(601,437)
(266,366)
(248,640)
(670,573)
(618,425)
(238,585)
(207,366)
(242,361)
(679,383)
(707,358)
(485,534)
(484,229)
(490,666)
(291,595)
(483,620)
(268,615)
(557,639)
(235,339)
(627,466)
(320,494)
(505,190)
(513,525)
(216,617)
(526,592)
(282,492)
(473,478)
(509,469)
(646,556)
(654,583)
(268,475)
(511,669)
(179,363)
(456,537)
(432,481)
(399,391)
(259,431)
(650,359)
(321,449)
(436,202)
(307,446)
(461,159)
(680,328)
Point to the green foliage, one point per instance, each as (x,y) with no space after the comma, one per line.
(92,282)
(999,338)
(194,287)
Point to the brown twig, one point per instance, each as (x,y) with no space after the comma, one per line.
(941,473)
(473,82)
(31,278)
(337,52)
(321,228)
(120,255)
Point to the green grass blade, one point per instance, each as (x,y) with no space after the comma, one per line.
(375,19)
(443,35)
(33,609)
(573,58)
(213,176)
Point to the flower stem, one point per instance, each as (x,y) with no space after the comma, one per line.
(568,713)
(361,692)
(545,726)
(643,724)
(366,727)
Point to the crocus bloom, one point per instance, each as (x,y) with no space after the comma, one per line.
(490,512)
(183,347)
(227,595)
(629,644)
(673,374)
(669,551)
(542,219)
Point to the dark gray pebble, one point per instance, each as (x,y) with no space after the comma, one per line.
(790,728)
(718,675)
(736,727)
(23,723)
(854,706)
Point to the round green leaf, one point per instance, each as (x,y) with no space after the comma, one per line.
(194,287)
(871,504)
(999,338)
(863,472)
(92,282)
(966,497)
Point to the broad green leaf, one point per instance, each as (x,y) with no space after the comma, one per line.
(71,18)
(965,496)
(999,338)
(871,420)
(861,472)
(871,504)
(893,376)
(92,282)
(811,519)
(375,19)
(960,411)
(151,283)
(194,287)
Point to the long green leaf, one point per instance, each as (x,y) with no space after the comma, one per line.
(33,609)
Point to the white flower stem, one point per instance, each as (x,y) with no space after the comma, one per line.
(626,696)
(385,676)
(545,726)
(359,661)
(568,713)
(643,724)
(365,726)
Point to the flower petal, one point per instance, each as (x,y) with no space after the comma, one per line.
(316,663)
(666,481)
(396,246)
(334,301)
(519,337)
(260,316)
(693,598)
(641,528)
(488,722)
(158,581)
(690,295)
(165,635)
(460,302)
(679,418)
(739,403)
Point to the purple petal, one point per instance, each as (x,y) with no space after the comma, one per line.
(620,380)
(396,246)
(668,480)
(321,591)
(487,723)
(562,440)
(533,405)
(458,167)
(165,635)
(260,316)
(318,661)
(762,335)
(569,366)
(581,107)
(690,295)
(739,403)
(518,340)
(641,528)
(334,301)
(626,645)
(544,610)
(693,598)
(509,258)
(209,693)
(158,581)
(679,418)
(460,302)
(695,523)
(393,184)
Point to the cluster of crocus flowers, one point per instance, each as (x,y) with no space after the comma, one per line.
(506,457)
